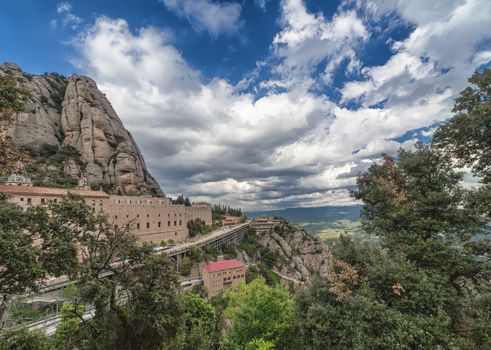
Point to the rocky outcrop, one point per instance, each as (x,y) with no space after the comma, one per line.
(298,255)
(74,112)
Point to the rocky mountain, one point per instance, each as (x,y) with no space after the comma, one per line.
(288,251)
(70,128)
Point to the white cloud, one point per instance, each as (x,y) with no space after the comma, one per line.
(66,17)
(63,7)
(207,15)
(261,4)
(307,40)
(288,147)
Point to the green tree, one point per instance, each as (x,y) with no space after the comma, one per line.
(24,263)
(24,340)
(417,205)
(66,333)
(467,136)
(199,323)
(258,311)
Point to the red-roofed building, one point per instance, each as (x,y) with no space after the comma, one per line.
(220,275)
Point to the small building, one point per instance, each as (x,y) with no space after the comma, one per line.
(221,275)
(19,180)
(231,220)
(265,224)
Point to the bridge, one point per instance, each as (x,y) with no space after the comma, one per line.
(216,239)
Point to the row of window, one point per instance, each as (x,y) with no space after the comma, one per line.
(145,201)
(159,224)
(233,277)
(148,215)
(43,200)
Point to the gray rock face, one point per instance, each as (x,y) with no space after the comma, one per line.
(300,256)
(76,113)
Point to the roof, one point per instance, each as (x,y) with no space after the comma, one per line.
(47,191)
(223,265)
(202,204)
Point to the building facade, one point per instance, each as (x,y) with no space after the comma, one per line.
(151,219)
(221,275)
(231,220)
(264,224)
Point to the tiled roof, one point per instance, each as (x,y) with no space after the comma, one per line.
(47,191)
(223,265)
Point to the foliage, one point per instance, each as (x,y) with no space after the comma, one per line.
(24,340)
(182,201)
(197,227)
(68,327)
(467,135)
(259,344)
(200,323)
(21,262)
(48,162)
(218,211)
(417,205)
(257,311)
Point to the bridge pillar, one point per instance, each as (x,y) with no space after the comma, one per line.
(178,262)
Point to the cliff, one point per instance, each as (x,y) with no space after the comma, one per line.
(70,128)
(288,251)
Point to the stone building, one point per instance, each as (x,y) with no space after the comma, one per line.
(265,224)
(231,220)
(151,219)
(221,275)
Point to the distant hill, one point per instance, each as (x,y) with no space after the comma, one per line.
(327,222)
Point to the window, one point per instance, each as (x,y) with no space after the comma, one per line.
(93,202)
(175,233)
(148,225)
(175,223)
(180,222)
(127,216)
(148,215)
(21,199)
(159,224)
(138,226)
(56,200)
(137,215)
(168,223)
(43,201)
(115,216)
(29,201)
(115,227)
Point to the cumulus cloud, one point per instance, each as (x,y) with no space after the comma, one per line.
(206,15)
(65,17)
(307,40)
(294,146)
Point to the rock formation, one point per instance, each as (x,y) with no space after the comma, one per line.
(74,112)
(299,255)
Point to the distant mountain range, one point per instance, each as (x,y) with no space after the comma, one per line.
(327,222)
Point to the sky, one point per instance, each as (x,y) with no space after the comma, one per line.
(261,104)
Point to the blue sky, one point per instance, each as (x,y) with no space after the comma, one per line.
(261,103)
